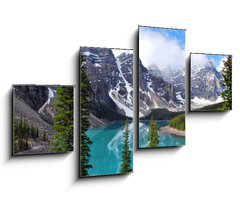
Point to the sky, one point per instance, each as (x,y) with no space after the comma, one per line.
(161,46)
(201,59)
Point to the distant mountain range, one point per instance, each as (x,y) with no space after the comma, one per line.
(111,81)
(206,85)
(161,89)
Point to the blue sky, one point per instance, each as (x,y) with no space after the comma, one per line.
(161,46)
(217,60)
(172,34)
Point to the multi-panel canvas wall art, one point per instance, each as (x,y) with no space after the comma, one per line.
(210,82)
(106,111)
(42,119)
(161,87)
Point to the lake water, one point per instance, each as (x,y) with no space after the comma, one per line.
(166,140)
(106,150)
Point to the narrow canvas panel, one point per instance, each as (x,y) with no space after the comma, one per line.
(210,82)
(106,111)
(161,87)
(42,119)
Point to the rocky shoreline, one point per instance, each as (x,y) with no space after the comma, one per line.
(173,131)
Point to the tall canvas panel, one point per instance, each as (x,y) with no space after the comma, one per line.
(161,87)
(210,82)
(42,119)
(106,111)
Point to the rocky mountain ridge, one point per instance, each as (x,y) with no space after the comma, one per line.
(110,80)
(111,86)
(206,85)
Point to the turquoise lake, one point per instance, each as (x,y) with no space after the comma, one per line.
(106,150)
(166,140)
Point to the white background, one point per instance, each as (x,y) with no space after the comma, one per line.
(39,42)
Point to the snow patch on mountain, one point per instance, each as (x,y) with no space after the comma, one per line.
(50,95)
(127,84)
(206,85)
(179,98)
(48,102)
(114,96)
(197,103)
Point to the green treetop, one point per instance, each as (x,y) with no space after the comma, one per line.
(63,124)
(126,153)
(153,134)
(85,142)
(227,75)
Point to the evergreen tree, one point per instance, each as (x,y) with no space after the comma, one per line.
(227,75)
(178,122)
(45,134)
(16,135)
(85,142)
(21,134)
(37,132)
(63,125)
(26,134)
(33,131)
(126,153)
(153,133)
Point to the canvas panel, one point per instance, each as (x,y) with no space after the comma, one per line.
(210,82)
(42,119)
(161,87)
(106,111)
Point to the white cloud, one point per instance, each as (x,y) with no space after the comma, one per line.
(198,59)
(155,47)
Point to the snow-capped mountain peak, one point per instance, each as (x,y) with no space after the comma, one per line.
(206,85)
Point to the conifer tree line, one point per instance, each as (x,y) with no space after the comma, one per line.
(178,122)
(153,133)
(227,75)
(126,152)
(23,131)
(85,141)
(63,121)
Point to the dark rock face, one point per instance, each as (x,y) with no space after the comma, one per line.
(109,79)
(102,73)
(206,82)
(33,96)
(176,77)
